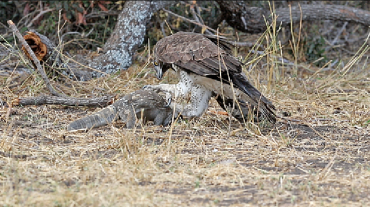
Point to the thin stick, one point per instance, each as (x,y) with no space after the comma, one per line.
(197,19)
(35,60)
(189,20)
(38,16)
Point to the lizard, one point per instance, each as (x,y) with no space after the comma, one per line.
(145,104)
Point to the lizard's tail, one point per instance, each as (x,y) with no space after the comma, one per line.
(100,118)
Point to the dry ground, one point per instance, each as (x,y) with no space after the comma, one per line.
(316,156)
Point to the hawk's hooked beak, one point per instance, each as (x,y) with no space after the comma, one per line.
(158,72)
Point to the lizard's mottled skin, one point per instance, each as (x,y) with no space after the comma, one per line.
(145,104)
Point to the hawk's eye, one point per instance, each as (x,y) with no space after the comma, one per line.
(156,63)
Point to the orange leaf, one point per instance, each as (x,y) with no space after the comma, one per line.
(79,18)
(102,7)
(105,2)
(64,15)
(26,9)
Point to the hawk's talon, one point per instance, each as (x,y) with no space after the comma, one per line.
(168,99)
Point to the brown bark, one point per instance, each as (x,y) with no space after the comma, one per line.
(252,19)
(69,101)
(44,49)
(127,36)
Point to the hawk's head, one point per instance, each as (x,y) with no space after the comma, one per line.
(160,67)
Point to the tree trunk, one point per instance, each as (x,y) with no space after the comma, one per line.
(252,19)
(127,36)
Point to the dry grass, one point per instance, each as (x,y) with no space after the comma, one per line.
(318,156)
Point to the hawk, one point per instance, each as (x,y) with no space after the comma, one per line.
(205,70)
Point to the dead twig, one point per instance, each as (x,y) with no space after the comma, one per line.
(38,16)
(332,44)
(281,59)
(34,58)
(191,21)
(198,19)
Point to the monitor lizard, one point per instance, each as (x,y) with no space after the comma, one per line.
(145,104)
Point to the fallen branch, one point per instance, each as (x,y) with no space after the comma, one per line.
(68,101)
(253,19)
(34,58)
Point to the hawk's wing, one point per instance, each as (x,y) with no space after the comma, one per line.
(196,53)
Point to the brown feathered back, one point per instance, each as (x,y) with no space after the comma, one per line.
(186,46)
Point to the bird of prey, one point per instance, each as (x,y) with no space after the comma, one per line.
(206,68)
